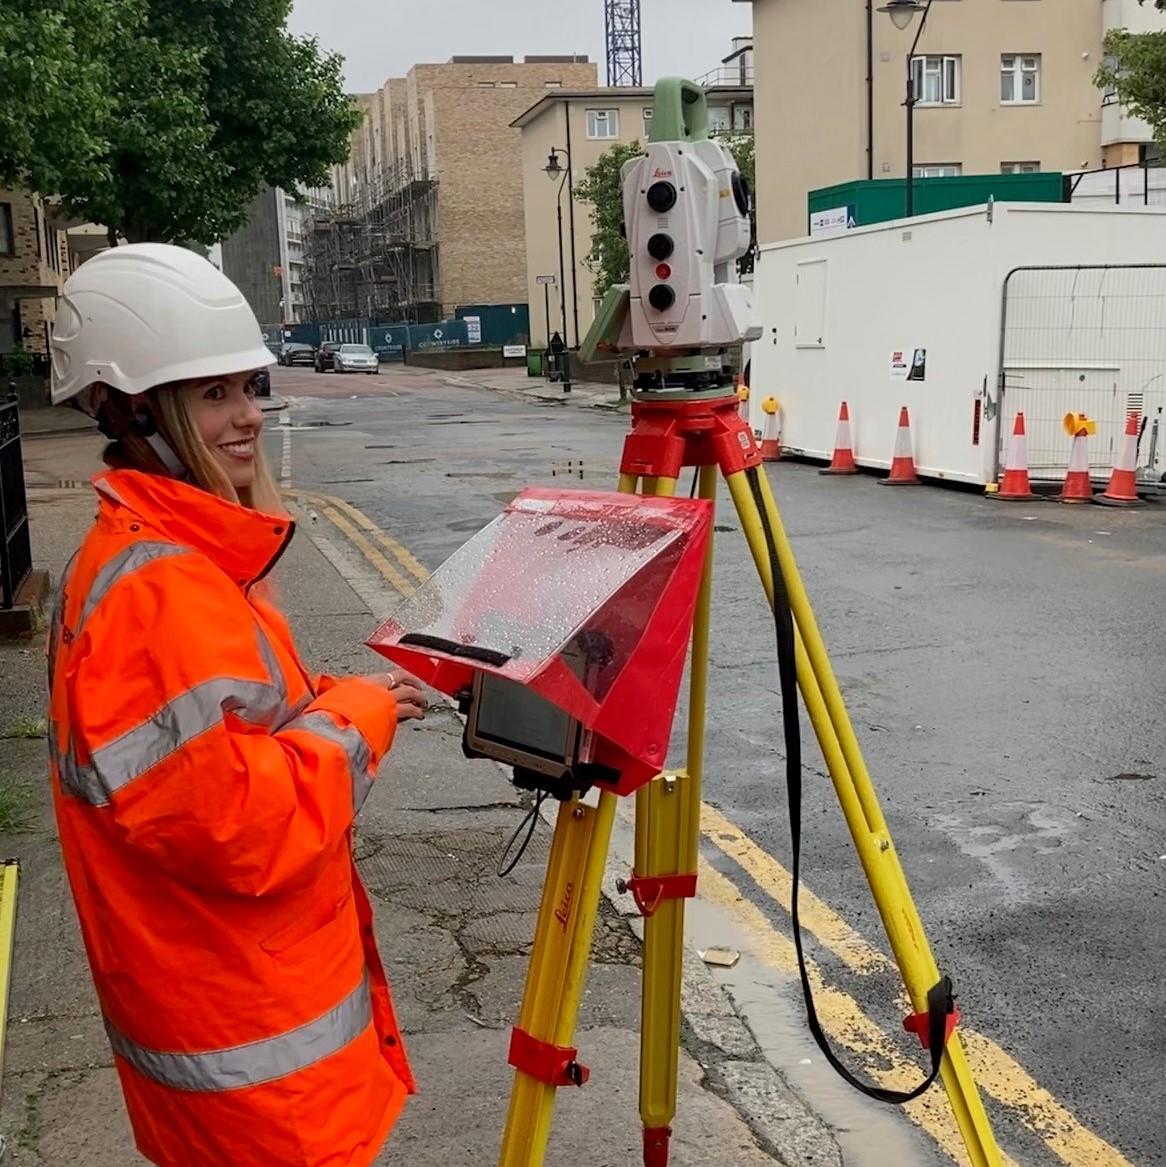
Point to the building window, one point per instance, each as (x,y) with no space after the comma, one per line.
(507,84)
(7,241)
(1019,80)
(552,85)
(1019,167)
(720,119)
(647,123)
(936,80)
(485,84)
(603,123)
(938,170)
(742,117)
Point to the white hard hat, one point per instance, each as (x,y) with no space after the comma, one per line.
(146,314)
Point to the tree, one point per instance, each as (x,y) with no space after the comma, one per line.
(608,257)
(57,90)
(198,107)
(1135,69)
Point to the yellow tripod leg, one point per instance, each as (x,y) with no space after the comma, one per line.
(540,1045)
(667,837)
(860,807)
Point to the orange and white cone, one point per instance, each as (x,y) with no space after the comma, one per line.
(903,463)
(743,398)
(770,431)
(1078,487)
(843,461)
(1122,490)
(1015,485)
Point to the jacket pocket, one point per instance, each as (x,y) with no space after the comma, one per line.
(306,925)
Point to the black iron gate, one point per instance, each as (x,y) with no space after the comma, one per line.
(15,548)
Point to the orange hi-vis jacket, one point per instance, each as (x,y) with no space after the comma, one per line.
(205,788)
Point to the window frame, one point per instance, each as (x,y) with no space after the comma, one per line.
(919,170)
(7,231)
(610,120)
(920,75)
(1026,167)
(1017,73)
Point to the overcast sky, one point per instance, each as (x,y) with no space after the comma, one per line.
(384,38)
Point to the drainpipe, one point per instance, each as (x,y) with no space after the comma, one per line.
(870,89)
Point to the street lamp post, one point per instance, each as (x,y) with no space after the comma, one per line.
(902,12)
(554,169)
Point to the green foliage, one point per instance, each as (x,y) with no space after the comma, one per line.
(16,804)
(1135,68)
(25,727)
(190,110)
(56,81)
(600,186)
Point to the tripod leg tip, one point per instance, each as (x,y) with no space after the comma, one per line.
(656,1146)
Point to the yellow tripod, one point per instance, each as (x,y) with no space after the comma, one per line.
(669,432)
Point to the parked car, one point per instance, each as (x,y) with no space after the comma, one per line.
(322,359)
(355,358)
(296,354)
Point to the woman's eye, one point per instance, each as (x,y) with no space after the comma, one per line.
(215,393)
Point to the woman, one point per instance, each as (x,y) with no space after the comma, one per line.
(205,784)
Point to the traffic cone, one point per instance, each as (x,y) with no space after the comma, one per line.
(1078,487)
(743,398)
(1122,490)
(770,433)
(903,463)
(1015,485)
(843,461)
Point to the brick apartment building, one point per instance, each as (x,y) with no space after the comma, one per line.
(428,212)
(34,263)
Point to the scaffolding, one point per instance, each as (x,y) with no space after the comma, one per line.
(375,256)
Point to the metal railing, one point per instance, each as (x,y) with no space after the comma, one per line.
(1137,184)
(15,548)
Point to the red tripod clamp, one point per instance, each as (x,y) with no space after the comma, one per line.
(650,891)
(919,1023)
(555,1065)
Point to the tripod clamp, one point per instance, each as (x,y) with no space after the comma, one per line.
(650,891)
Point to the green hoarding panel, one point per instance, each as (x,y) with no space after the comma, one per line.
(862,204)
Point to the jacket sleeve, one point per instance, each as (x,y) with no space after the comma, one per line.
(185,739)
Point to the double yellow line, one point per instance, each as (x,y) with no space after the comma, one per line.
(997,1073)
(393,560)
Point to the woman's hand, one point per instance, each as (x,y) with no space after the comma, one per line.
(408,690)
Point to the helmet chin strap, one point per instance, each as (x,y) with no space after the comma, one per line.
(170,459)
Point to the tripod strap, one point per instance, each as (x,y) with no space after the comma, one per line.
(940,999)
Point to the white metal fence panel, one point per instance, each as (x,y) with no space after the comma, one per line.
(1086,340)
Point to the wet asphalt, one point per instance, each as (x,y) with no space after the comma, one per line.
(1003,664)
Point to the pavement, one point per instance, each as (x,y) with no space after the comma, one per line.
(455,936)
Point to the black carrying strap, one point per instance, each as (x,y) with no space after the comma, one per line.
(940,1000)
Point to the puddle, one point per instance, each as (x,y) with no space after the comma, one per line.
(868,1133)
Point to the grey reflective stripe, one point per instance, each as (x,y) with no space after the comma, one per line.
(59,617)
(179,722)
(351,741)
(258,1061)
(278,679)
(128,560)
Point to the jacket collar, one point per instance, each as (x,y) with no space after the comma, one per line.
(241,542)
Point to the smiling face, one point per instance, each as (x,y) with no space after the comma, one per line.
(223,411)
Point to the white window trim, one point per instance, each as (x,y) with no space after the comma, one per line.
(611,121)
(1016,167)
(1018,71)
(919,85)
(921,169)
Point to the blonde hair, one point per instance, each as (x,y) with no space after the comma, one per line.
(131,451)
